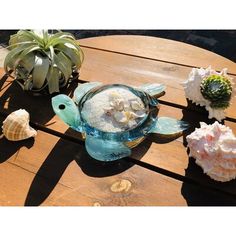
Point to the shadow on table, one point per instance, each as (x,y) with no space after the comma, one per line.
(60,158)
(39,107)
(198,195)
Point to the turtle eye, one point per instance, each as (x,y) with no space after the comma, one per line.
(62,107)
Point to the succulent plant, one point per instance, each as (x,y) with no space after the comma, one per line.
(218,90)
(43,61)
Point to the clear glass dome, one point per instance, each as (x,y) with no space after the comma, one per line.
(144,125)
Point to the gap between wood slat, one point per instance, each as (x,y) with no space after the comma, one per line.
(147,58)
(175,175)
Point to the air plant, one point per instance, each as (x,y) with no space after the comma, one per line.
(43,61)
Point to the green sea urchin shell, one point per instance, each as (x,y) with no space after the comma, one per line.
(218,90)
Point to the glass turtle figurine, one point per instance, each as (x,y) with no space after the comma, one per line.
(114,118)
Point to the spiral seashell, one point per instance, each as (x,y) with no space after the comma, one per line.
(16,126)
(214,148)
(121,117)
(118,104)
(137,106)
(108,111)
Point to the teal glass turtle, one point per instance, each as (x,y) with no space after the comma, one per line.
(114,118)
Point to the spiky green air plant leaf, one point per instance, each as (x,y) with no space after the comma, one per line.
(42,60)
(218,90)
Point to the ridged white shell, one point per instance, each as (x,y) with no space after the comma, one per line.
(16,126)
(137,106)
(193,93)
(214,148)
(121,117)
(118,104)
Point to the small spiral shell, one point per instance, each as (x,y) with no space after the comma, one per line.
(16,126)
(137,106)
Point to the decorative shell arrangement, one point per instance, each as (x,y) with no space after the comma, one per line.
(16,126)
(211,89)
(214,148)
(114,110)
(124,111)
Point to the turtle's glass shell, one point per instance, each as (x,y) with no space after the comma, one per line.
(143,126)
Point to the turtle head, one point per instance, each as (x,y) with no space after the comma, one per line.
(66,109)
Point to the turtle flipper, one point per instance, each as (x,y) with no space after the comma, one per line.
(82,89)
(153,89)
(104,150)
(168,127)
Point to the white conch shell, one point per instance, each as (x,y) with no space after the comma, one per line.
(193,92)
(16,126)
(214,148)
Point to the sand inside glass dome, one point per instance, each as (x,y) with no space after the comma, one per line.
(114,110)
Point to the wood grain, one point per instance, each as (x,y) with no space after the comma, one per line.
(49,171)
(160,49)
(131,71)
(57,172)
(136,71)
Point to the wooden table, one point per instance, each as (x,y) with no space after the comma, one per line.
(54,168)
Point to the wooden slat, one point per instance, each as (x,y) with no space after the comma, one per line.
(66,175)
(160,49)
(15,183)
(135,71)
(49,171)
(122,69)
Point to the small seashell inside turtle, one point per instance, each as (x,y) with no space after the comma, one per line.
(16,126)
(138,114)
(137,106)
(108,111)
(118,104)
(121,117)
